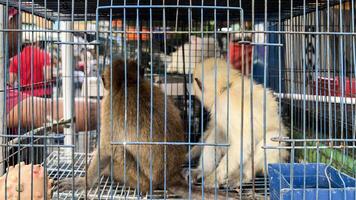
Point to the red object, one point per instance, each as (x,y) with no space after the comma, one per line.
(81,66)
(335,87)
(38,58)
(236,56)
(13,97)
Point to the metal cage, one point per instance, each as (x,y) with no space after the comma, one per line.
(301,52)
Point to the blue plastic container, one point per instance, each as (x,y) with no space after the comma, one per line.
(332,183)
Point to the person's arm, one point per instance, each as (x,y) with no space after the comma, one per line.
(13,71)
(12,79)
(86,117)
(48,72)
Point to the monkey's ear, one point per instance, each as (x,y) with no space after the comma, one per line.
(132,72)
(117,73)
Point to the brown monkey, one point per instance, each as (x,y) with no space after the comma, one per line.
(150,158)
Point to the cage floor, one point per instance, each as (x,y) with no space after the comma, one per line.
(59,167)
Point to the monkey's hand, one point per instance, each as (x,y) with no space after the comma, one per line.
(66,184)
(210,182)
(195,175)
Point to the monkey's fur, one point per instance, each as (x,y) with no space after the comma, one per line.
(274,126)
(162,131)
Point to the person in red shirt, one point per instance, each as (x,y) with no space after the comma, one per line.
(25,110)
(32,69)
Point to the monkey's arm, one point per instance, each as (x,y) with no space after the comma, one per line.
(194,153)
(196,150)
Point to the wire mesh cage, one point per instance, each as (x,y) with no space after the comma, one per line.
(177,99)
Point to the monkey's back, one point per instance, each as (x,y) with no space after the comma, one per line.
(147,120)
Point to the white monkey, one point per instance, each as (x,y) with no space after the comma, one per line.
(231,132)
(193,54)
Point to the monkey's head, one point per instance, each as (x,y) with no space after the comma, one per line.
(118,74)
(204,80)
